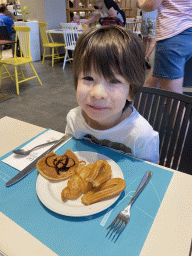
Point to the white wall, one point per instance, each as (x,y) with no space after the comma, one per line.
(55,12)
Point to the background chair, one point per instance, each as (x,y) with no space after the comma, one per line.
(134,25)
(25,57)
(70,35)
(170,114)
(46,38)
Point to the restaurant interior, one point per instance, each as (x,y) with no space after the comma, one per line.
(160,222)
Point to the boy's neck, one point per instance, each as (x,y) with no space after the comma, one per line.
(97,126)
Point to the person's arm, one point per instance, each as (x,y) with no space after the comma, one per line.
(111,8)
(112,12)
(92,19)
(149,5)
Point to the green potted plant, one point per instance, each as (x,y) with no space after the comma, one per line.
(24,12)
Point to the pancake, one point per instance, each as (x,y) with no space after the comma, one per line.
(58,167)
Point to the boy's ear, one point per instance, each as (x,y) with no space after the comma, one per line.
(129,98)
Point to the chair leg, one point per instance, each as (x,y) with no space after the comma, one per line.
(16,80)
(66,54)
(44,55)
(20,69)
(35,73)
(52,57)
(8,72)
(57,51)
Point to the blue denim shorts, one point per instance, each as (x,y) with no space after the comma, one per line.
(171,55)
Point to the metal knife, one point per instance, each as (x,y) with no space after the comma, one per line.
(32,166)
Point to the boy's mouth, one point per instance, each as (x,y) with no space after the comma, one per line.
(95,107)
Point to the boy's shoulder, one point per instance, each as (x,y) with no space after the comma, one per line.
(74,112)
(139,122)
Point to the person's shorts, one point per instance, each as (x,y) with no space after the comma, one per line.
(171,55)
(148,28)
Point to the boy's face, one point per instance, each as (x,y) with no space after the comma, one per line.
(102,101)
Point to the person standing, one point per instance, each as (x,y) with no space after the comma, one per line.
(173,42)
(148,24)
(10,15)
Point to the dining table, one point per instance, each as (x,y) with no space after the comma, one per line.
(35,221)
(60,31)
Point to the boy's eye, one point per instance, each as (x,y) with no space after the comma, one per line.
(88,78)
(115,81)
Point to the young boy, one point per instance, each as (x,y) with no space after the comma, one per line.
(109,69)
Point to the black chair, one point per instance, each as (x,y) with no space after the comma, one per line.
(170,114)
(4,33)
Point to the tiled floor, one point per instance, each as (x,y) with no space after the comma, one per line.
(46,105)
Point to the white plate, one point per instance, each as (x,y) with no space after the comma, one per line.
(49,192)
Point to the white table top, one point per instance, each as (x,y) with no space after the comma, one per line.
(171,231)
(60,31)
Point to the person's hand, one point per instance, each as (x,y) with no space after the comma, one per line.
(84,22)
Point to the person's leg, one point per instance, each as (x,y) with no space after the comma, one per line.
(13,44)
(151,47)
(144,33)
(151,41)
(145,43)
(175,85)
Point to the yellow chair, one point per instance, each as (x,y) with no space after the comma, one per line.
(25,57)
(6,73)
(45,37)
(6,70)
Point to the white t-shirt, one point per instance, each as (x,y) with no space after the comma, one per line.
(134,132)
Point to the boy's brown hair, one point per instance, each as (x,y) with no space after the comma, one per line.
(108,50)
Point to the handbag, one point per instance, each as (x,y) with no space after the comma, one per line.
(111,21)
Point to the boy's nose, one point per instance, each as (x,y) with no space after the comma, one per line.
(98,91)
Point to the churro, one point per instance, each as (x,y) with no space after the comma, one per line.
(108,189)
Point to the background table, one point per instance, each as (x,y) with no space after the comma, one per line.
(171,230)
(60,31)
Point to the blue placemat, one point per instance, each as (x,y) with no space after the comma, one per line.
(86,235)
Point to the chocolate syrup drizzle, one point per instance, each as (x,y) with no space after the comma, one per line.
(64,162)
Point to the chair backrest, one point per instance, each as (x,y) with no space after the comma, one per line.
(170,114)
(69,25)
(45,32)
(137,27)
(70,35)
(23,33)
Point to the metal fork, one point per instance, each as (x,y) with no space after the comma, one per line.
(120,222)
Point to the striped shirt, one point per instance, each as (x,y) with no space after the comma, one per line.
(174,16)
